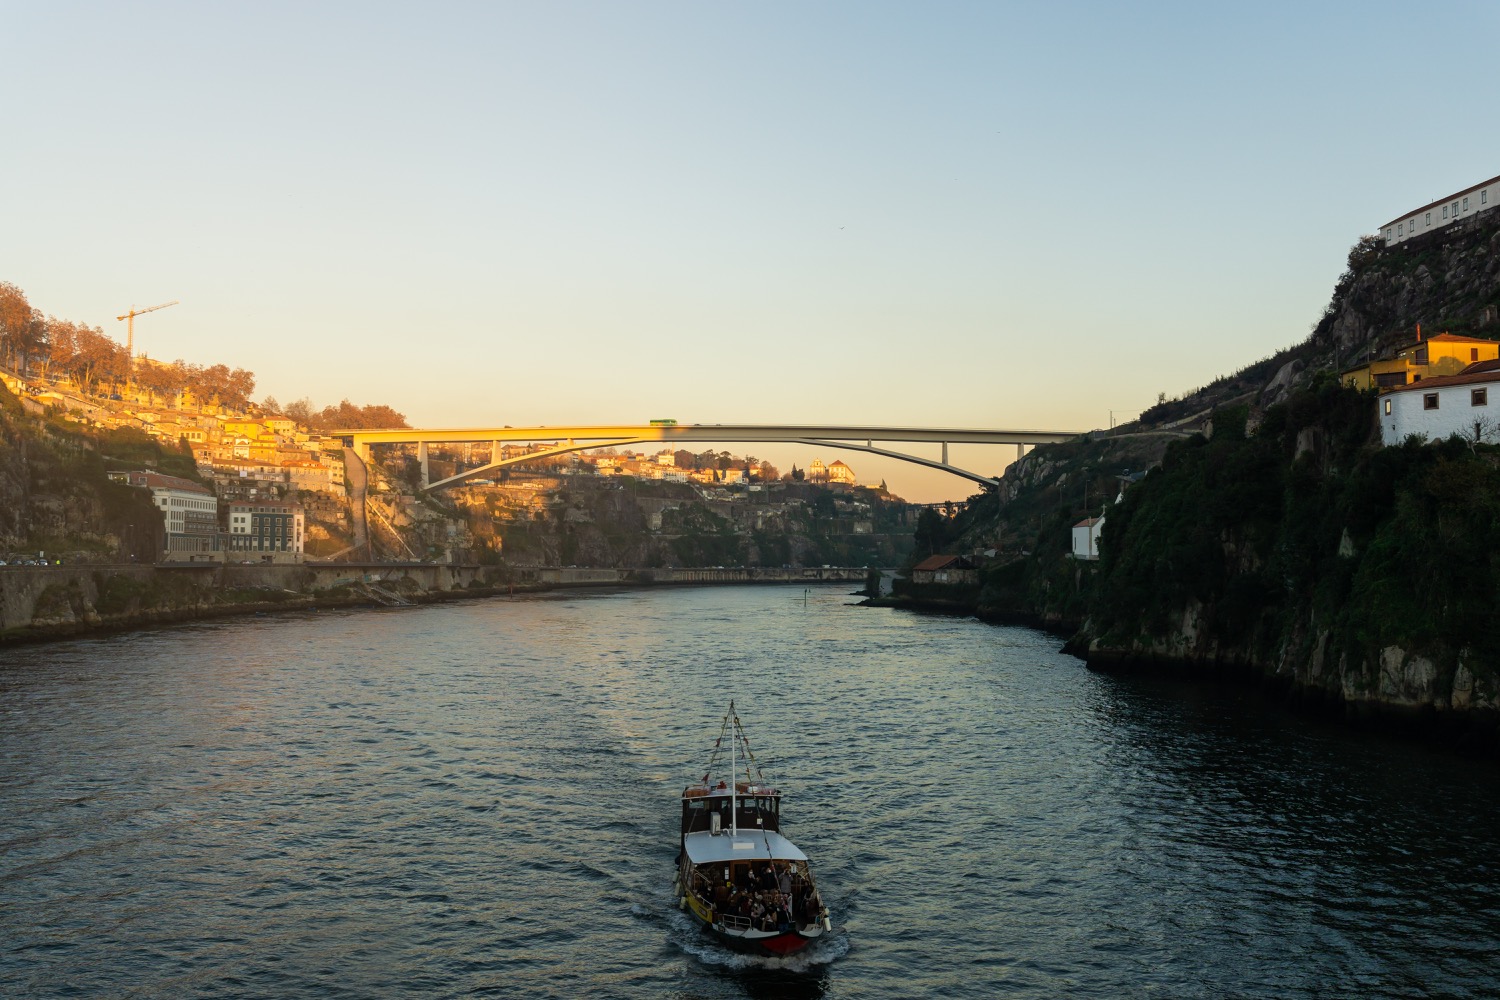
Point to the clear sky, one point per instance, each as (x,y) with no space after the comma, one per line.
(967,214)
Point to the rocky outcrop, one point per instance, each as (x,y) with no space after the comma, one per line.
(1449,280)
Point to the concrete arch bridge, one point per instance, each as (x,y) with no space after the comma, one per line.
(563,440)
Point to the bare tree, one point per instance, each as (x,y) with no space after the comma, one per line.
(1475,433)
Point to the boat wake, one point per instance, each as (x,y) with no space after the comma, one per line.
(687,934)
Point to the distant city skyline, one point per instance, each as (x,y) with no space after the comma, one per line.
(959,215)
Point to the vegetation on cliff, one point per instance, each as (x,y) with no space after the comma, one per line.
(56,498)
(1304,550)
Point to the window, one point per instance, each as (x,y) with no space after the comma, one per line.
(1387,234)
(1473,354)
(1387,407)
(1466,204)
(1479,397)
(1427,220)
(1445,211)
(1429,401)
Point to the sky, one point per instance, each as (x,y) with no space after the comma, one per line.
(939,214)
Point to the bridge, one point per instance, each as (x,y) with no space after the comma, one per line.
(562,440)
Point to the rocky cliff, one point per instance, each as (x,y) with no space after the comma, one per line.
(1274,537)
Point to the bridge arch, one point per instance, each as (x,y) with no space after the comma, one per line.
(583,438)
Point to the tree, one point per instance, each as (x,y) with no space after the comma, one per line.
(931,535)
(300,411)
(1477,432)
(16,316)
(797,474)
(96,358)
(768,472)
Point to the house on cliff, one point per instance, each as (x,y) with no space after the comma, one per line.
(1441,354)
(1443,212)
(1438,408)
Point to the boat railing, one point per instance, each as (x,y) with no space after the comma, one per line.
(734,922)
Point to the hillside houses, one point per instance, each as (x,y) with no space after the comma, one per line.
(1438,408)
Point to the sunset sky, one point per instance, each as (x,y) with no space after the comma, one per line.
(963,214)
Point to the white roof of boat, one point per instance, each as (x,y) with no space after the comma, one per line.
(704,848)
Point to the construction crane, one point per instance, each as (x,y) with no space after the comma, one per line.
(130,327)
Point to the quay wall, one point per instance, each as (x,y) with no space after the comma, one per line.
(39,602)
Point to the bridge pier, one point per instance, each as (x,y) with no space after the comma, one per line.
(422,459)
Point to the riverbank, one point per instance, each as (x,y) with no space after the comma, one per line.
(1469,729)
(46,603)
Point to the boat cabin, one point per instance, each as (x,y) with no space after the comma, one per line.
(706,809)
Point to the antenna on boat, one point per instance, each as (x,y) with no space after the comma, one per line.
(734,782)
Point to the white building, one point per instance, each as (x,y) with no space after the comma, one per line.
(1086,538)
(1470,201)
(838,472)
(190,512)
(1439,407)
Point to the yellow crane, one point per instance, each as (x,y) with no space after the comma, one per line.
(130,327)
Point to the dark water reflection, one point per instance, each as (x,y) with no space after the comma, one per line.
(479,800)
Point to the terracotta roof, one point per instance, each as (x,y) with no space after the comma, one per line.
(1452,338)
(1442,201)
(934,562)
(1464,377)
(156,480)
(1481,366)
(1088,522)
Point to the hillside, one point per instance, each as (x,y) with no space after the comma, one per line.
(1273,535)
(55,497)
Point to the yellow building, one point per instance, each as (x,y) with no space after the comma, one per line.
(1442,354)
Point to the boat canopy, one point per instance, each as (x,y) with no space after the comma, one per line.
(748,845)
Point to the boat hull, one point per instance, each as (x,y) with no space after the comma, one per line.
(770,944)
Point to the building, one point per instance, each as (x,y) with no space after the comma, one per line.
(1443,212)
(1442,354)
(1086,538)
(190,513)
(271,529)
(1438,408)
(838,472)
(943,569)
(816,472)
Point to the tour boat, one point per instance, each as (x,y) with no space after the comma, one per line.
(749,886)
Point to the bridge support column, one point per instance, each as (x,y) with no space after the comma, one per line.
(422,459)
(1020,452)
(945,452)
(494,452)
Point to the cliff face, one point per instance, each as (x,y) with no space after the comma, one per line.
(1449,280)
(1281,541)
(1351,574)
(55,497)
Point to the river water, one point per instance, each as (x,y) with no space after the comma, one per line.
(480,799)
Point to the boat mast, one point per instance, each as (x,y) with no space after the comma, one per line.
(734,745)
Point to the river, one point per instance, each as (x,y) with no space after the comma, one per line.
(480,799)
